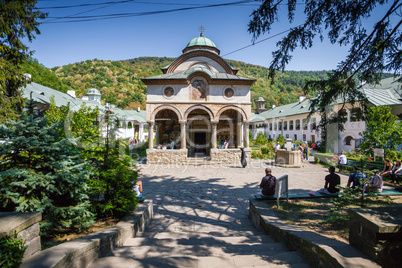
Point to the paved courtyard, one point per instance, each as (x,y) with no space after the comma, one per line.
(217,182)
(201,217)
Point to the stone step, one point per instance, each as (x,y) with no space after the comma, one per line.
(289,259)
(189,238)
(160,249)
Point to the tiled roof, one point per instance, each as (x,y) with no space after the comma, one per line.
(284,110)
(184,75)
(388,92)
(43,94)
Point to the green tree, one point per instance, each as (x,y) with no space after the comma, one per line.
(374,46)
(19,20)
(81,126)
(41,172)
(382,131)
(112,185)
(261,139)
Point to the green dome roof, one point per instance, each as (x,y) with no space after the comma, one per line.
(201,41)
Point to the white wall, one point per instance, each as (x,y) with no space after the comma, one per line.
(352,129)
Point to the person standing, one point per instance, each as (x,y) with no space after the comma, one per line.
(171,144)
(226,144)
(243,158)
(305,150)
(301,151)
(277,146)
(268,183)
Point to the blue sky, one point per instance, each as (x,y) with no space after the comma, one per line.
(165,35)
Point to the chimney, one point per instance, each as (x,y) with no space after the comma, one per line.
(71,93)
(301,99)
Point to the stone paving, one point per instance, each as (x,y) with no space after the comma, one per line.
(201,217)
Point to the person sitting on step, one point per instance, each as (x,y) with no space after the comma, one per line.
(331,181)
(267,184)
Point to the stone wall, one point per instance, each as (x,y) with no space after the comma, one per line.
(229,156)
(319,250)
(156,156)
(377,232)
(82,252)
(26,224)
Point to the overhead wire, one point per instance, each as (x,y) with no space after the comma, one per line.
(122,15)
(125,1)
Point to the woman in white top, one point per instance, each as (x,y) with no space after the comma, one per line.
(138,188)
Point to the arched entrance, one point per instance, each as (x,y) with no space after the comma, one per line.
(230,128)
(167,129)
(199,133)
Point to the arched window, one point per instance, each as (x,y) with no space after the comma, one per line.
(348,140)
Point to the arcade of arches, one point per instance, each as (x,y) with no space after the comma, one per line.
(198,132)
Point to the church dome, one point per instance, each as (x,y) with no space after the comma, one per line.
(201,42)
(94,92)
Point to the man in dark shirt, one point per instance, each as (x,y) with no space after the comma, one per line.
(354,178)
(267,184)
(331,181)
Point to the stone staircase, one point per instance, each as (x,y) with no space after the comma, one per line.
(199,220)
(199,161)
(198,249)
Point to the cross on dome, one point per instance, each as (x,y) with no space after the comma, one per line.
(201,29)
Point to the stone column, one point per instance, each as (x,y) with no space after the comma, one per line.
(239,134)
(246,135)
(213,136)
(141,132)
(183,134)
(151,134)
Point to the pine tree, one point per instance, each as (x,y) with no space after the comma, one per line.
(39,171)
(112,185)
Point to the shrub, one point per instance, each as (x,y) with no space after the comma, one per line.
(11,251)
(265,150)
(43,172)
(261,139)
(256,154)
(281,139)
(111,188)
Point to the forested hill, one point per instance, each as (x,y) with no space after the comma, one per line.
(120,81)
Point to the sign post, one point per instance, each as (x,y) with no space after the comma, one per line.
(378,152)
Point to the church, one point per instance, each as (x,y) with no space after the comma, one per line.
(199,108)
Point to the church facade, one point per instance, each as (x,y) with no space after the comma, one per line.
(198,107)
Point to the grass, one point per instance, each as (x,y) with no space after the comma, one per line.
(315,215)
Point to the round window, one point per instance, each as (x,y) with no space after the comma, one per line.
(169,91)
(229,92)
